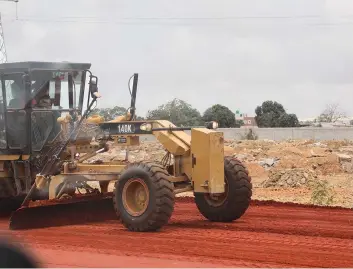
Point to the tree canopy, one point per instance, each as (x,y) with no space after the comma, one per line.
(222,114)
(272,114)
(112,113)
(178,112)
(109,113)
(331,113)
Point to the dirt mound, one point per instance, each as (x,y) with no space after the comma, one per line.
(337,144)
(256,170)
(325,158)
(296,177)
(146,151)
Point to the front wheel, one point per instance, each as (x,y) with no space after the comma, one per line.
(144,197)
(234,202)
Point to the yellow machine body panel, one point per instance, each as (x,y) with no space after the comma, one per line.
(7,157)
(176,142)
(207,153)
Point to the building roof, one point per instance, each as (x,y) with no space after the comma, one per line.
(51,66)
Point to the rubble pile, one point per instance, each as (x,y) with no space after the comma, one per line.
(146,151)
(297,177)
(260,156)
(325,157)
(268,163)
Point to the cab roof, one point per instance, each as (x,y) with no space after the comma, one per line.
(48,66)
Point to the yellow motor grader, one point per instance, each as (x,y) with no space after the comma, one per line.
(47,139)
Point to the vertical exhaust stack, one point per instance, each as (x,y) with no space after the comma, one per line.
(133,95)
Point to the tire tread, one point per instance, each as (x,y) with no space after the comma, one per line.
(164,200)
(239,197)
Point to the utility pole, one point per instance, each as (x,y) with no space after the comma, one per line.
(3,54)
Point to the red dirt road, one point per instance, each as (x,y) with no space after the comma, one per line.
(268,235)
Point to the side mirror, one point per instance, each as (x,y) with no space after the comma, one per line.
(93,87)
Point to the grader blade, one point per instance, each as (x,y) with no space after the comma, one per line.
(63,213)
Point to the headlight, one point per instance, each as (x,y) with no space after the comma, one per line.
(96,94)
(146,127)
(212,125)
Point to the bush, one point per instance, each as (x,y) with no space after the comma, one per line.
(249,135)
(322,193)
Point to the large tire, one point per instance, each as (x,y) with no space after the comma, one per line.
(235,200)
(151,180)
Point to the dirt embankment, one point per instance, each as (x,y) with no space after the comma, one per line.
(323,158)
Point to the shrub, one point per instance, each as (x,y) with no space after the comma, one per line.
(322,193)
(249,135)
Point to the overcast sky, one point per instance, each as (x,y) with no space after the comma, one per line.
(296,52)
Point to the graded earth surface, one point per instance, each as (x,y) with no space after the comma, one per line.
(270,234)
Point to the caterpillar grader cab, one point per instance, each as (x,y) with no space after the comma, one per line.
(48,136)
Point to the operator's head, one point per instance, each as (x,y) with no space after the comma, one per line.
(44,91)
(16,91)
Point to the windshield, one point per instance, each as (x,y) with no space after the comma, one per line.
(60,89)
(15,91)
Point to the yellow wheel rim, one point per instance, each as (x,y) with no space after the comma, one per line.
(135,197)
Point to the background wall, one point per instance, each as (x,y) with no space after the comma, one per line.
(286,133)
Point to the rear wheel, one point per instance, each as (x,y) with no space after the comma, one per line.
(143,197)
(234,202)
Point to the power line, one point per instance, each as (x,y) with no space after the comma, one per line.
(197,18)
(297,17)
(73,19)
(214,18)
(180,20)
(150,22)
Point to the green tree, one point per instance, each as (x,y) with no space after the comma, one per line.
(178,112)
(288,120)
(272,114)
(140,118)
(222,114)
(109,113)
(238,123)
(112,113)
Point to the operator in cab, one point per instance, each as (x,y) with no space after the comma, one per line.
(43,100)
(18,100)
(16,120)
(44,121)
